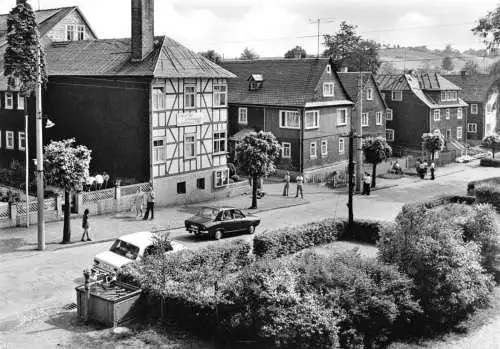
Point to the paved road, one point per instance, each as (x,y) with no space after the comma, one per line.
(36,285)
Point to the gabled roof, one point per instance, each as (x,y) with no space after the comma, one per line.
(433,81)
(350,81)
(392,82)
(46,20)
(112,57)
(476,87)
(287,82)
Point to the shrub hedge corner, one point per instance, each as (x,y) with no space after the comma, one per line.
(489,162)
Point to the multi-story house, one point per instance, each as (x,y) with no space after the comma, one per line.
(148,108)
(372,105)
(55,25)
(421,103)
(302,102)
(480,91)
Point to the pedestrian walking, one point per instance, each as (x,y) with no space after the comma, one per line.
(287,183)
(421,170)
(86,225)
(367,182)
(99,180)
(426,167)
(300,183)
(150,204)
(433,169)
(138,202)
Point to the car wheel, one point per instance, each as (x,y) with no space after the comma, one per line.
(251,229)
(218,234)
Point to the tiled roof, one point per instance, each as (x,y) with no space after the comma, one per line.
(392,82)
(287,82)
(475,86)
(111,57)
(350,81)
(423,80)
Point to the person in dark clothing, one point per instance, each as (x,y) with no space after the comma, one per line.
(86,225)
(150,204)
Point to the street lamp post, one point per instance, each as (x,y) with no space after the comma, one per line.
(39,155)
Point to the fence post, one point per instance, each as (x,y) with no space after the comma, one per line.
(59,206)
(117,191)
(13,214)
(79,203)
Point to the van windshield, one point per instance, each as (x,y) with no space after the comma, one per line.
(125,249)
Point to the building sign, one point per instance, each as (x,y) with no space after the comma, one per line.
(189,118)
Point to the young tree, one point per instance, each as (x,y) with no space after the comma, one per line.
(212,55)
(470,68)
(433,142)
(492,142)
(376,150)
(249,54)
(296,52)
(23,43)
(257,155)
(447,63)
(350,50)
(488,28)
(67,165)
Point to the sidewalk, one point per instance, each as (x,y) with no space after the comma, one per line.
(108,227)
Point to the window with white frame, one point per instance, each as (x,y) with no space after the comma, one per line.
(9,139)
(473,109)
(369,94)
(389,135)
(158,99)
(459,114)
(220,95)
(21,140)
(328,89)
(388,114)
(286,150)
(311,119)
(437,114)
(9,100)
(341,146)
(364,119)
(313,150)
(324,147)
(447,114)
(459,132)
(472,128)
(189,97)
(341,117)
(443,96)
(378,118)
(221,178)
(189,146)
(397,95)
(449,96)
(70,32)
(453,95)
(81,32)
(20,101)
(289,119)
(219,142)
(158,151)
(242,116)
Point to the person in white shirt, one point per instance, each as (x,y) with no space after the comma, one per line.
(367,182)
(99,179)
(300,183)
(433,168)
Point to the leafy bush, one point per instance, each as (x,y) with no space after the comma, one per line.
(362,230)
(489,162)
(289,240)
(449,279)
(373,300)
(488,193)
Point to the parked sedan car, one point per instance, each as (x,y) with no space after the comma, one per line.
(219,221)
(128,249)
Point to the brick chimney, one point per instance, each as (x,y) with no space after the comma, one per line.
(142,28)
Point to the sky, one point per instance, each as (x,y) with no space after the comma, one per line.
(271,27)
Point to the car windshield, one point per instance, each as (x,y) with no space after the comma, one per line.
(125,249)
(208,212)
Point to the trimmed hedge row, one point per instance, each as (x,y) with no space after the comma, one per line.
(471,185)
(489,162)
(489,194)
(289,240)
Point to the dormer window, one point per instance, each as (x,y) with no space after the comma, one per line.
(255,82)
(328,88)
(75,32)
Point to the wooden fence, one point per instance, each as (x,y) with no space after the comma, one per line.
(14,214)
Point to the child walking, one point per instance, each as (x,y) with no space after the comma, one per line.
(86,225)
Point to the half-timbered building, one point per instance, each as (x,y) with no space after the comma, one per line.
(148,108)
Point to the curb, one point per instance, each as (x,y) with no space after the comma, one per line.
(53,247)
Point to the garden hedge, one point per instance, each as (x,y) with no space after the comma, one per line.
(362,230)
(488,193)
(471,185)
(285,241)
(489,162)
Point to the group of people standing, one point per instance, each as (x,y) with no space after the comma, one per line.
(138,202)
(422,167)
(300,185)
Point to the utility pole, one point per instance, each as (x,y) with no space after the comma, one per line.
(351,179)
(39,154)
(26,161)
(359,129)
(318,22)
